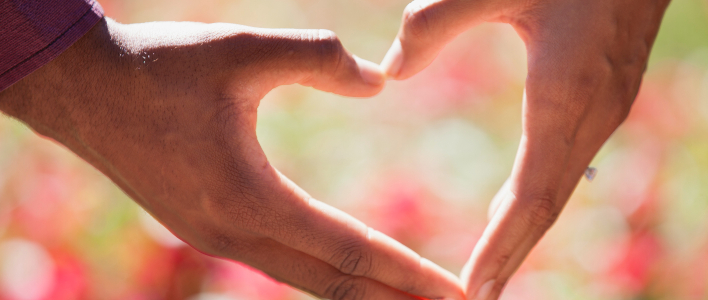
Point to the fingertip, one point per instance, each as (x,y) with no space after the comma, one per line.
(393,60)
(454,286)
(370,72)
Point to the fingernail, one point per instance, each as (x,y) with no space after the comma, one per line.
(485,290)
(393,60)
(369,71)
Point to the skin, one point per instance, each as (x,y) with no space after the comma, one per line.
(586,60)
(168,112)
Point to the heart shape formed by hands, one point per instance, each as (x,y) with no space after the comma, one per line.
(168,112)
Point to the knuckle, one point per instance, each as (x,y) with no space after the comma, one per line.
(346,288)
(352,259)
(502,260)
(246,48)
(327,36)
(416,19)
(498,286)
(328,47)
(542,211)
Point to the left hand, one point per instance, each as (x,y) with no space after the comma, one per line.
(168,112)
(585,64)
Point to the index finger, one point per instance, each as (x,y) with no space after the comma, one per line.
(580,87)
(304,224)
(527,209)
(555,148)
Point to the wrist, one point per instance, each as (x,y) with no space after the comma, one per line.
(50,99)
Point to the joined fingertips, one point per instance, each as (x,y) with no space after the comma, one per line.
(370,72)
(393,60)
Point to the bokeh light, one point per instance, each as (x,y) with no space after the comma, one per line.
(419,162)
(27,270)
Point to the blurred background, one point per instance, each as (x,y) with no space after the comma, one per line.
(420,162)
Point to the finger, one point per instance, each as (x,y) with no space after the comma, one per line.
(527,210)
(312,275)
(252,61)
(427,26)
(321,231)
(517,254)
(565,123)
(318,59)
(583,151)
(554,109)
(573,105)
(354,248)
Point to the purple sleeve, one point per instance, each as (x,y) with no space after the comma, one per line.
(33,32)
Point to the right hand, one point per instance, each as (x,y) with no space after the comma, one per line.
(168,112)
(586,59)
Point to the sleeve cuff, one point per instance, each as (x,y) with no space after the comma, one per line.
(39,48)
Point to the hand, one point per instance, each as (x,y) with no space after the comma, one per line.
(168,112)
(585,64)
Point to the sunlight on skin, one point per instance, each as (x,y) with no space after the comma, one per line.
(175,130)
(585,65)
(418,162)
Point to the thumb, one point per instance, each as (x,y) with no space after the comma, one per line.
(427,26)
(318,59)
